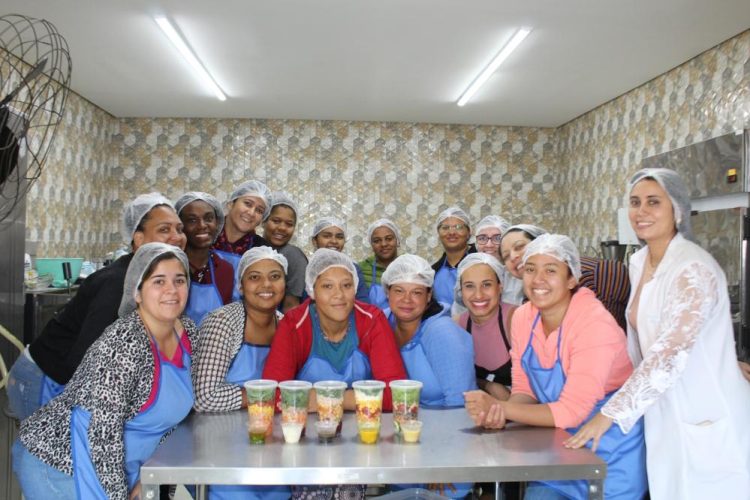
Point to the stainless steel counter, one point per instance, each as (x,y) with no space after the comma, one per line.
(215,449)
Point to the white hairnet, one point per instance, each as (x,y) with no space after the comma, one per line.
(383,223)
(253,188)
(558,246)
(283,198)
(677,191)
(191,196)
(408,268)
(495,221)
(453,212)
(254,255)
(531,231)
(471,260)
(137,209)
(141,261)
(326,222)
(324,259)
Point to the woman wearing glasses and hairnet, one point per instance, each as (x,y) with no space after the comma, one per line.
(47,364)
(686,383)
(131,388)
(211,277)
(568,357)
(454,232)
(235,342)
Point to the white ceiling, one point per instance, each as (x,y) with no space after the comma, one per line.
(380,60)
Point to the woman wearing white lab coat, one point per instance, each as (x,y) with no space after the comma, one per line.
(686,383)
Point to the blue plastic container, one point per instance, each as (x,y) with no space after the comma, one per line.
(54,267)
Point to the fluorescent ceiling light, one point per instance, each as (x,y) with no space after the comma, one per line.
(188,55)
(492,67)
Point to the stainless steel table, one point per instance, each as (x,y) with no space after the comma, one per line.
(215,449)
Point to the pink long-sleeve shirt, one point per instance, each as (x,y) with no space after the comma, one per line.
(593,353)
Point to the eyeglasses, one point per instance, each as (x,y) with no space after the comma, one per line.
(444,228)
(483,239)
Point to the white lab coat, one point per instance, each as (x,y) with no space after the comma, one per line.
(686,383)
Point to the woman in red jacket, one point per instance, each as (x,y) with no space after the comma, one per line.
(331,336)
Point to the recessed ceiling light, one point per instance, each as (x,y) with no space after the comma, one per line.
(492,67)
(182,47)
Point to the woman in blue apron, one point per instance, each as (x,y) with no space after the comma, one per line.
(236,341)
(248,205)
(385,239)
(569,356)
(331,336)
(435,350)
(132,387)
(454,231)
(211,277)
(330,233)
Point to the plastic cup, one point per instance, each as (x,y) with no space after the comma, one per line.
(405,398)
(292,431)
(295,395)
(326,430)
(261,395)
(368,400)
(410,431)
(330,399)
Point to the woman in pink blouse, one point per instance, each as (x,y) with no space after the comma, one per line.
(568,356)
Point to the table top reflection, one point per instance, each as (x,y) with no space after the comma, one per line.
(215,449)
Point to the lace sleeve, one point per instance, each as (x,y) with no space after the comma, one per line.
(686,309)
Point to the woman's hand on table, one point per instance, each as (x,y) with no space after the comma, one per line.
(135,493)
(484,410)
(594,429)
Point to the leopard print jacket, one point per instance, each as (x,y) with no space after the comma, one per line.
(112,382)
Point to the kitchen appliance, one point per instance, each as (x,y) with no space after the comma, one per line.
(717,173)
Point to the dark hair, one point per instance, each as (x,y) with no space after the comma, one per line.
(519,230)
(147,216)
(152,267)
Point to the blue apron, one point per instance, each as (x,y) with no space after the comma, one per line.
(49,390)
(376,293)
(141,434)
(317,368)
(625,454)
(431,395)
(203,298)
(233,259)
(445,280)
(248,365)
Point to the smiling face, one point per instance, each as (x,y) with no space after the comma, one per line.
(408,301)
(512,249)
(161,225)
(163,294)
(245,213)
(547,282)
(334,294)
(651,213)
(331,237)
(488,241)
(384,244)
(452,239)
(480,291)
(263,285)
(200,224)
(279,227)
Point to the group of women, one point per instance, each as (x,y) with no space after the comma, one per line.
(507,329)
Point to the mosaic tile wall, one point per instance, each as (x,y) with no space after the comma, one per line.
(706,97)
(357,170)
(567,179)
(69,209)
